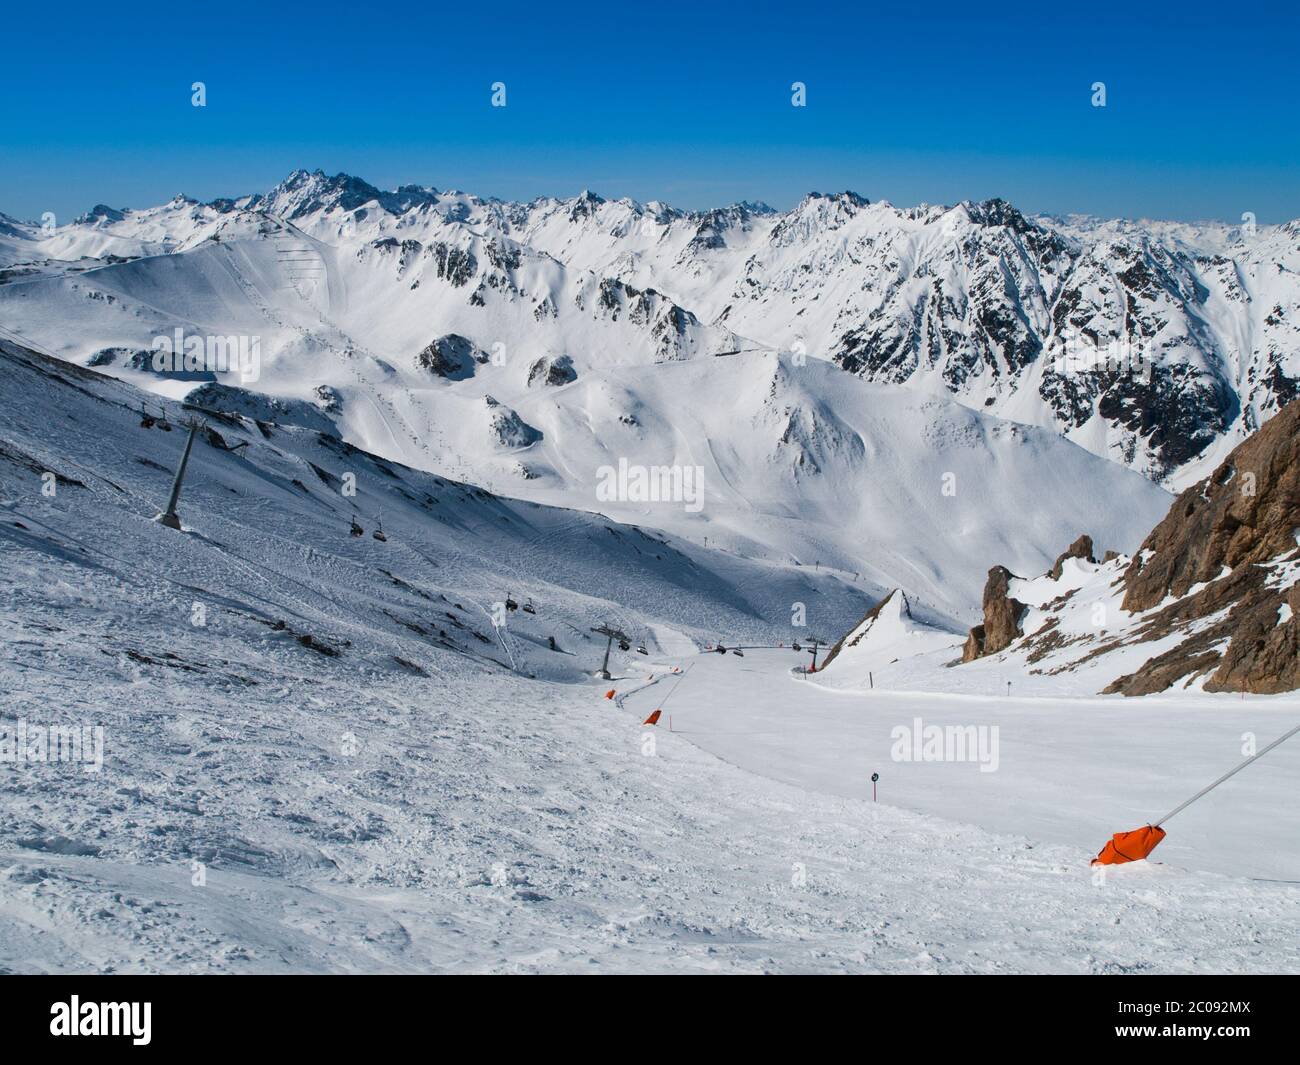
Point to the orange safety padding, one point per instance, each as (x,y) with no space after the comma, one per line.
(1130,846)
(609,694)
(653,719)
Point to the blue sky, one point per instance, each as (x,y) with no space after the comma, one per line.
(684,102)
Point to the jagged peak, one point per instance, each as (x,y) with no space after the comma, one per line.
(103,213)
(304,191)
(997,212)
(847,198)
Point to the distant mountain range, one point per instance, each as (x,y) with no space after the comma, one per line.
(814,363)
(976,299)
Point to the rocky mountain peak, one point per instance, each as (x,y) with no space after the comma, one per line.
(998,212)
(100,214)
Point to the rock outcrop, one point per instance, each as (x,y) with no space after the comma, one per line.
(1081,548)
(554,371)
(451,356)
(1246,512)
(1002,616)
(1226,556)
(506,429)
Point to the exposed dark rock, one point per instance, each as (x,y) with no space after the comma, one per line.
(1081,548)
(455,265)
(329,400)
(507,429)
(1002,616)
(1247,511)
(554,371)
(451,356)
(1221,550)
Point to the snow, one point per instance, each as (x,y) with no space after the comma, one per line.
(323,265)
(331,753)
(411,803)
(1071,770)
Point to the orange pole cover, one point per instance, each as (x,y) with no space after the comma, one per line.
(1130,846)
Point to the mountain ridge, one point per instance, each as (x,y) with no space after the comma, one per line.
(977,298)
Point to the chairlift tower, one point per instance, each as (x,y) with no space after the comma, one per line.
(813,644)
(611,634)
(169,517)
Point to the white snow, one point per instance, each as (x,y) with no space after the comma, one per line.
(265,806)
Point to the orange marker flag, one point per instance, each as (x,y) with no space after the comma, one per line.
(653,719)
(609,694)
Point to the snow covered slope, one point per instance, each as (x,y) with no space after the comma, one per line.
(268,510)
(501,345)
(1054,762)
(316,757)
(1158,345)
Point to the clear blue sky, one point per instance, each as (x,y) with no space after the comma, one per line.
(684,102)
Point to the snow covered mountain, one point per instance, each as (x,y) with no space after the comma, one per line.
(281,525)
(306,750)
(527,348)
(1159,345)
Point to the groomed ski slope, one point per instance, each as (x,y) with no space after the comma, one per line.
(521,827)
(1070,770)
(265,806)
